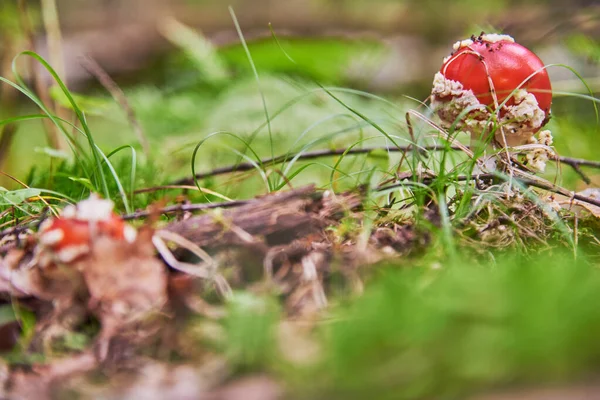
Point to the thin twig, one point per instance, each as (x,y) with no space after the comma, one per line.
(573,162)
(138,214)
(241,167)
(581,174)
(185,207)
(580,162)
(165,187)
(557,189)
(524,181)
(538,183)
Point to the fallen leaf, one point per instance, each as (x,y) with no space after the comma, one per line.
(127,284)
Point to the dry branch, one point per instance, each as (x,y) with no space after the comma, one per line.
(540,184)
(309,155)
(575,163)
(279,218)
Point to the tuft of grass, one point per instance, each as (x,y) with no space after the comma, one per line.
(450,328)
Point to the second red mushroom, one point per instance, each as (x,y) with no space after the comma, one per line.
(492,85)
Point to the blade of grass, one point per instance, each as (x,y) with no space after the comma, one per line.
(257,164)
(256,76)
(80,115)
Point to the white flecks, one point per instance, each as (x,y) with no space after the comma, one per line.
(518,124)
(495,37)
(546,138)
(537,158)
(462,43)
(92,209)
(129,233)
(553,205)
(443,87)
(488,164)
(47,224)
(51,237)
(449,99)
(69,212)
(95,209)
(521,120)
(44,258)
(70,253)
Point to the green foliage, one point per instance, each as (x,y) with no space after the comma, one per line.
(585,46)
(199,50)
(250,329)
(334,57)
(448,329)
(7,314)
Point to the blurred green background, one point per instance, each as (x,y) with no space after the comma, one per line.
(186,75)
(443,330)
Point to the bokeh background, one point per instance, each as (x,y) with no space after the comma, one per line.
(125,36)
(447,327)
(185,73)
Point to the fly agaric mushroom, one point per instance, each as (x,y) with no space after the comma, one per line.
(491,78)
(68,237)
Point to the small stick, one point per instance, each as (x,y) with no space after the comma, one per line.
(184,207)
(578,161)
(305,156)
(579,172)
(573,162)
(525,181)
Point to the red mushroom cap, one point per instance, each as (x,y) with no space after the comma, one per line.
(509,66)
(490,72)
(70,236)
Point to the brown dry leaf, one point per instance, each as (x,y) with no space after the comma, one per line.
(580,207)
(57,287)
(8,271)
(127,284)
(19,280)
